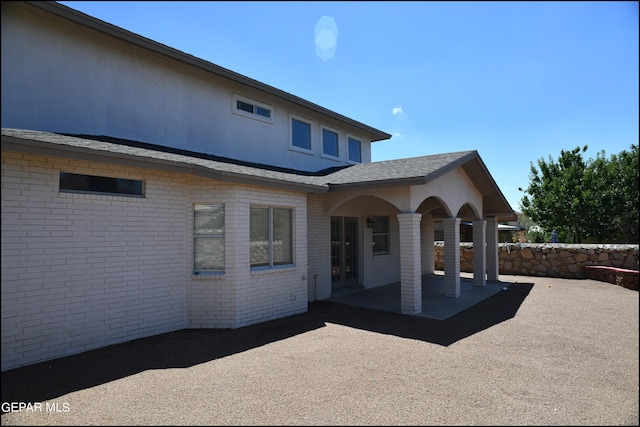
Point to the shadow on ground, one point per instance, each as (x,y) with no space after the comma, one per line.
(189,347)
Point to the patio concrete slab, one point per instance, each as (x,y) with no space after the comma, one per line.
(434,304)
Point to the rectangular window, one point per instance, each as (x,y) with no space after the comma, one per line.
(329,143)
(380,235)
(355,150)
(300,134)
(78,183)
(208,232)
(252,109)
(271,235)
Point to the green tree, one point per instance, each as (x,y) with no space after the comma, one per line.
(595,199)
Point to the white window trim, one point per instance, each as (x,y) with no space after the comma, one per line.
(311,135)
(235,110)
(207,272)
(271,266)
(322,153)
(349,161)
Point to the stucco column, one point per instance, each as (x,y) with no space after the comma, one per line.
(479,253)
(451,257)
(426,239)
(410,265)
(492,249)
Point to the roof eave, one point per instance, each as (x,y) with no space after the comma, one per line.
(12,143)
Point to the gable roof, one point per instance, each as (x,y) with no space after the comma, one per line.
(145,43)
(410,171)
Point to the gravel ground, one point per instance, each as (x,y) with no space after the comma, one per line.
(543,352)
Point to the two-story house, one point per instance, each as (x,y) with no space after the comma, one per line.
(145,191)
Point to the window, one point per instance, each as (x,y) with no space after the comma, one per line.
(271,235)
(208,232)
(252,109)
(380,235)
(329,143)
(300,134)
(355,150)
(78,183)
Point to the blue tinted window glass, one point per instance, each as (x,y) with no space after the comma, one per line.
(329,143)
(301,134)
(355,150)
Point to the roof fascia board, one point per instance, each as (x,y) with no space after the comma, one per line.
(376,184)
(10,143)
(115,31)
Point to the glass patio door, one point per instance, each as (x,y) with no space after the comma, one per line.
(344,252)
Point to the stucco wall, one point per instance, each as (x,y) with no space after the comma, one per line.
(105,86)
(549,260)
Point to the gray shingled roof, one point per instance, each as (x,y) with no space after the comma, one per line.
(410,171)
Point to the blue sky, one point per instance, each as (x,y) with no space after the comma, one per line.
(516,81)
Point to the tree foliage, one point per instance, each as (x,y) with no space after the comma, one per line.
(594,199)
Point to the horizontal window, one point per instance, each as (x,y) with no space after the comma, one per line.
(252,109)
(72,182)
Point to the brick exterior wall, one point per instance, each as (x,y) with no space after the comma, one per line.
(82,271)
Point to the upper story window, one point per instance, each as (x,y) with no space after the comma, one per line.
(252,109)
(355,149)
(208,239)
(329,143)
(79,183)
(300,134)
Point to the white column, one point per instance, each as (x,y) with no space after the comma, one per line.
(479,253)
(492,249)
(427,251)
(451,257)
(410,264)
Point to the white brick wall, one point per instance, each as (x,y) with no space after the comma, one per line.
(83,271)
(319,247)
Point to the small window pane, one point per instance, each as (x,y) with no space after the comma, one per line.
(301,134)
(355,150)
(380,234)
(265,112)
(329,143)
(245,106)
(209,254)
(209,219)
(99,184)
(259,235)
(282,237)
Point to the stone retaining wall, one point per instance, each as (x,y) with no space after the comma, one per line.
(549,259)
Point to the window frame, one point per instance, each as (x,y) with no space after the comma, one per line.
(71,182)
(271,263)
(255,105)
(294,147)
(217,236)
(359,141)
(322,142)
(380,233)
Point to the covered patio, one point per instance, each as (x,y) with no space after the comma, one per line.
(435,305)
